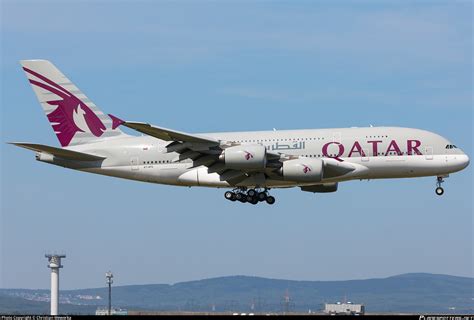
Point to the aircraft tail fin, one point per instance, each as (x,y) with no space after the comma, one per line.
(75,119)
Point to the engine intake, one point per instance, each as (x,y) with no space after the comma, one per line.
(252,157)
(303,169)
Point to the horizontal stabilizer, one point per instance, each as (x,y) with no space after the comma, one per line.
(58,152)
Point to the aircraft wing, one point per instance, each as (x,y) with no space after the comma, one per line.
(162,133)
(205,151)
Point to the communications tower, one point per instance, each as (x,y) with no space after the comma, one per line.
(109,279)
(54,264)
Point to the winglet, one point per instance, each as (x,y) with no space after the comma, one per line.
(116,121)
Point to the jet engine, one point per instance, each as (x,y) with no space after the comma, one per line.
(303,169)
(252,157)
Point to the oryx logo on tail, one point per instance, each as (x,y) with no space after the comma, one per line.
(306,169)
(71,114)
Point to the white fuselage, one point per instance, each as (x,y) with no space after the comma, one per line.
(375,152)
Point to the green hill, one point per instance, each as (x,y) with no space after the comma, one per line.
(415,292)
(15,305)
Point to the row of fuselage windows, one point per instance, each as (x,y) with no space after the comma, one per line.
(356,154)
(157,162)
(335,138)
(278,140)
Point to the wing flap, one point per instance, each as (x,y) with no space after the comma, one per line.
(188,155)
(205,160)
(217,168)
(233,176)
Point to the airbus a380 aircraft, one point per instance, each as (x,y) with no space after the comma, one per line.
(249,163)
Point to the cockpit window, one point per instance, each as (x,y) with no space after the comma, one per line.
(451,146)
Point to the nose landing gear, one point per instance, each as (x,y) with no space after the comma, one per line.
(252,196)
(439,190)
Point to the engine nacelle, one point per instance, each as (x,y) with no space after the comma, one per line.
(45,157)
(303,169)
(252,157)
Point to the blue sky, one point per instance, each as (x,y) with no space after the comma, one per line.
(237,65)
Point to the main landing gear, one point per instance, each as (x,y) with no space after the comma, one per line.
(439,190)
(252,196)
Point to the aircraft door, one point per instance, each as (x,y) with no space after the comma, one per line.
(429,153)
(134,163)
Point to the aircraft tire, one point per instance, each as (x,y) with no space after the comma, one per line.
(439,191)
(262,196)
(270,200)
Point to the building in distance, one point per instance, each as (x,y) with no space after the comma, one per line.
(346,308)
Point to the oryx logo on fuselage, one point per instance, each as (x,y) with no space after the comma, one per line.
(71,115)
(306,169)
(248,155)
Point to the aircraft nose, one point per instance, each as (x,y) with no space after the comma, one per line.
(464,159)
(458,162)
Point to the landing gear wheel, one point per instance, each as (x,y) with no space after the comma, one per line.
(242,197)
(229,195)
(254,200)
(262,196)
(270,200)
(439,190)
(252,192)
